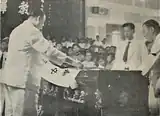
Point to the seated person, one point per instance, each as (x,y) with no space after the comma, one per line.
(69,51)
(113,49)
(101,63)
(64,41)
(88,63)
(84,44)
(69,43)
(110,60)
(59,46)
(76,51)
(81,56)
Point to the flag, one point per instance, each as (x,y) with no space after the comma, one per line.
(64,77)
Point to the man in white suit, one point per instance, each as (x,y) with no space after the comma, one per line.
(131,52)
(26,45)
(151,66)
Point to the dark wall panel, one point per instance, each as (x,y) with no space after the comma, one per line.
(64,18)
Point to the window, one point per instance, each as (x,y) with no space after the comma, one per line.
(153,4)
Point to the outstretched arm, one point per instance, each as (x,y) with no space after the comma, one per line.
(40,44)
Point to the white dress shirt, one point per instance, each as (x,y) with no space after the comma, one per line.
(136,55)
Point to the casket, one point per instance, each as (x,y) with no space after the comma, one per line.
(99,93)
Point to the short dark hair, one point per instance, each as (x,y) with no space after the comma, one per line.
(76,45)
(131,25)
(154,24)
(36,12)
(97,36)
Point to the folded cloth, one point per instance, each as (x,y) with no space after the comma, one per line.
(64,77)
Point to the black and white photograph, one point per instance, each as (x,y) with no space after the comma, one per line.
(80,58)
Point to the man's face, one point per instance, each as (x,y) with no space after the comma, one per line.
(88,56)
(59,46)
(147,33)
(40,22)
(81,57)
(128,33)
(76,49)
(70,51)
(97,38)
(4,46)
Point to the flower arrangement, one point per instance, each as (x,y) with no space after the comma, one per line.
(3,6)
(23,8)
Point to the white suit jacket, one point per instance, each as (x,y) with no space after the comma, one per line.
(26,45)
(136,55)
(152,63)
(151,60)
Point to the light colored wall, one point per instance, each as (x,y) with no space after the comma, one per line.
(96,24)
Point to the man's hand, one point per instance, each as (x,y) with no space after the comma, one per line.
(73,62)
(79,65)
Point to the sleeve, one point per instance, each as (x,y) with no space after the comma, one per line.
(156,46)
(40,44)
(144,53)
(145,59)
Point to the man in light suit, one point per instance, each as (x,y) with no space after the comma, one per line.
(130,52)
(26,45)
(151,66)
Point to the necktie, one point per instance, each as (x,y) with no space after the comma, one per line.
(125,56)
(1,61)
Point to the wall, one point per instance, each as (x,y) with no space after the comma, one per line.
(64,18)
(118,14)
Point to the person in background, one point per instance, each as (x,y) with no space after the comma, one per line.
(113,49)
(97,42)
(83,43)
(151,31)
(88,63)
(109,61)
(53,39)
(106,42)
(27,43)
(64,50)
(59,46)
(75,40)
(81,56)
(70,51)
(48,37)
(69,43)
(64,41)
(101,50)
(76,51)
(130,53)
(3,57)
(101,62)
